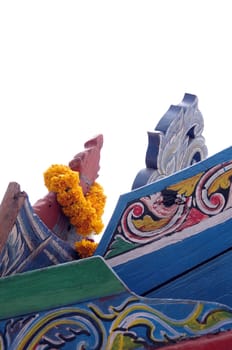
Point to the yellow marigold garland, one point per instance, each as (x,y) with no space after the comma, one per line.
(84,212)
(85,247)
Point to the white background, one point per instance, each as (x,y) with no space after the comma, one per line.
(73,69)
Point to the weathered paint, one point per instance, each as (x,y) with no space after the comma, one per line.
(86,306)
(221,341)
(164,238)
(60,285)
(176,143)
(151,245)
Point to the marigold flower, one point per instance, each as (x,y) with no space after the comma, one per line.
(84,212)
(85,248)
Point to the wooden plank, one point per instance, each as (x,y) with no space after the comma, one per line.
(210,281)
(154,270)
(9,208)
(115,321)
(59,285)
(145,260)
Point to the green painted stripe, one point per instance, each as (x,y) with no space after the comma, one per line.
(57,285)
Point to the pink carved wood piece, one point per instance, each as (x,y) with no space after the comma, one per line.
(87,164)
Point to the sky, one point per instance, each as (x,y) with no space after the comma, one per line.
(72,69)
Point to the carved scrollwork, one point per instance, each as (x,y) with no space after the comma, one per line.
(178,206)
(176,143)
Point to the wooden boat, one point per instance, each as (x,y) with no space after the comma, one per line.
(160,275)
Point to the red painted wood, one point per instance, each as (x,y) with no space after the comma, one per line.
(87,162)
(222,341)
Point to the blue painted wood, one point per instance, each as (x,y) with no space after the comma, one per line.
(31,245)
(118,320)
(169,239)
(151,271)
(147,265)
(212,279)
(176,142)
(130,197)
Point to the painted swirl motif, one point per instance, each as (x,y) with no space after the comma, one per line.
(56,329)
(135,323)
(122,321)
(213,193)
(178,206)
(155,220)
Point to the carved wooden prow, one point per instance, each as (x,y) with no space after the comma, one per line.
(9,209)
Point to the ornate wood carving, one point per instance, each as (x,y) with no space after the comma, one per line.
(176,143)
